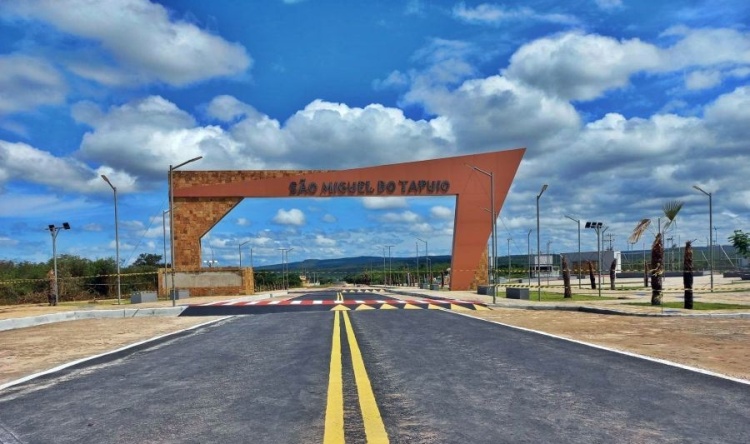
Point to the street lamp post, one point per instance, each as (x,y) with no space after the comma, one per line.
(428,267)
(117,238)
(538,255)
(390,276)
(53,231)
(417,244)
(171,222)
(528,252)
(239,250)
(598,227)
(579,247)
(549,258)
(284,259)
(509,239)
(710,228)
(491,175)
(164,232)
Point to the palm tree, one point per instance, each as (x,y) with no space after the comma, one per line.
(687,275)
(656,271)
(566,278)
(591,274)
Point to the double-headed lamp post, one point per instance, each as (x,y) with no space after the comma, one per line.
(428,266)
(579,247)
(528,252)
(117,238)
(493,248)
(164,233)
(239,250)
(284,266)
(598,227)
(538,254)
(171,221)
(710,229)
(390,271)
(53,231)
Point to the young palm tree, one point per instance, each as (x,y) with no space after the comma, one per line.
(670,210)
(566,278)
(590,266)
(687,275)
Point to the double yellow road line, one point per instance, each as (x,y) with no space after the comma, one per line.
(334,425)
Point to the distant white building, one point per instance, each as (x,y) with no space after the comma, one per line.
(549,264)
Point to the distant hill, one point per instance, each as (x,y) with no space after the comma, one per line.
(357,264)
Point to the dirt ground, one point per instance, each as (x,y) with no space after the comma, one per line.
(718,344)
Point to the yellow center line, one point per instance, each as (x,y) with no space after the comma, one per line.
(374,427)
(334,426)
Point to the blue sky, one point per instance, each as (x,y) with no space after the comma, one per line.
(622,106)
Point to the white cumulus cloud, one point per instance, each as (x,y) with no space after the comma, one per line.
(291,217)
(28,82)
(147,44)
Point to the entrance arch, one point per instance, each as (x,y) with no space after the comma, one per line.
(203,198)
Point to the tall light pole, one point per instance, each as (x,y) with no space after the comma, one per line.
(428,268)
(598,227)
(538,254)
(417,244)
(171,222)
(239,250)
(288,284)
(383,247)
(251,257)
(390,276)
(53,231)
(164,232)
(284,258)
(491,175)
(579,247)
(528,252)
(710,228)
(509,239)
(117,238)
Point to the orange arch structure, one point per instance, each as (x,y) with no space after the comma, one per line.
(203,198)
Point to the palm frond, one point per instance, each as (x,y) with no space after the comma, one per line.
(639,230)
(671,209)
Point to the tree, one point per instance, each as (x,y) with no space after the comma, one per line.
(148,259)
(566,278)
(670,209)
(687,275)
(612,274)
(741,242)
(591,274)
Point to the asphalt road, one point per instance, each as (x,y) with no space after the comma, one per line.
(435,376)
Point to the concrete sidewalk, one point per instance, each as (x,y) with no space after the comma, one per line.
(13,317)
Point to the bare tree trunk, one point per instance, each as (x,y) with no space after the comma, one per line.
(657,270)
(687,275)
(566,278)
(591,274)
(612,274)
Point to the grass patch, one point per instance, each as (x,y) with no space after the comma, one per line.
(696,305)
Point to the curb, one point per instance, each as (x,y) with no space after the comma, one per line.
(33,321)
